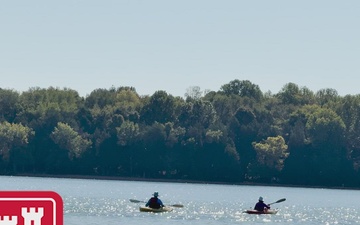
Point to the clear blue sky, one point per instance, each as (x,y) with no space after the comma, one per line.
(172,45)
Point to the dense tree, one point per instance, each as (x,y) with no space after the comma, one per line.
(68,139)
(127,133)
(272,152)
(160,107)
(293,94)
(325,128)
(46,107)
(224,106)
(235,134)
(242,88)
(271,155)
(13,135)
(327,96)
(128,104)
(9,103)
(41,110)
(13,139)
(349,111)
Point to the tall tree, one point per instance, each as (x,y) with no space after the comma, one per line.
(325,136)
(9,100)
(349,110)
(194,93)
(272,152)
(327,96)
(13,137)
(292,94)
(68,139)
(160,107)
(242,88)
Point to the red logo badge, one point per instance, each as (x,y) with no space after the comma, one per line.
(30,208)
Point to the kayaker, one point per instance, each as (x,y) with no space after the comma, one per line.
(261,206)
(155,202)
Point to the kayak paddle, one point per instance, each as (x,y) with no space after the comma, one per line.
(177,205)
(278,201)
(138,201)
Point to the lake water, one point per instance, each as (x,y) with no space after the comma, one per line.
(106,202)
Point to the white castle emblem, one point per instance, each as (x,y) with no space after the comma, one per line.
(29,214)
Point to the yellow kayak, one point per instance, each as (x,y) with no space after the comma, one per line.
(148,209)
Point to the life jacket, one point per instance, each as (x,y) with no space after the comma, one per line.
(154,203)
(261,206)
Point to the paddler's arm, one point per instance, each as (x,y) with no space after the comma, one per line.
(160,202)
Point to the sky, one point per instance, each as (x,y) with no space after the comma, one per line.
(169,45)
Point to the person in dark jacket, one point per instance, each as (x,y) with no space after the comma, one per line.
(155,202)
(261,206)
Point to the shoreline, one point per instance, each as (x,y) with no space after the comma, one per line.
(92,177)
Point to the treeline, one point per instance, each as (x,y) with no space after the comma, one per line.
(236,134)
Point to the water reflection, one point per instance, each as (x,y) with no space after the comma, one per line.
(212,211)
(107,202)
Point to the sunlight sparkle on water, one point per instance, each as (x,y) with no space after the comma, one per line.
(94,202)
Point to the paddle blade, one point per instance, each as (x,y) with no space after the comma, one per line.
(135,201)
(281,200)
(278,201)
(177,205)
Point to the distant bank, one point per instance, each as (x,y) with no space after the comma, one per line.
(173,180)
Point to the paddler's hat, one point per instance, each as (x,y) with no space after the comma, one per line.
(261,199)
(156,194)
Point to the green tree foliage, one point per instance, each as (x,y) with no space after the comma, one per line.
(327,97)
(272,152)
(41,110)
(128,104)
(235,134)
(160,107)
(244,116)
(325,127)
(105,112)
(326,132)
(318,139)
(154,134)
(68,139)
(243,89)
(213,136)
(13,136)
(174,134)
(349,110)
(127,133)
(9,103)
(197,113)
(48,106)
(102,105)
(270,157)
(224,105)
(293,94)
